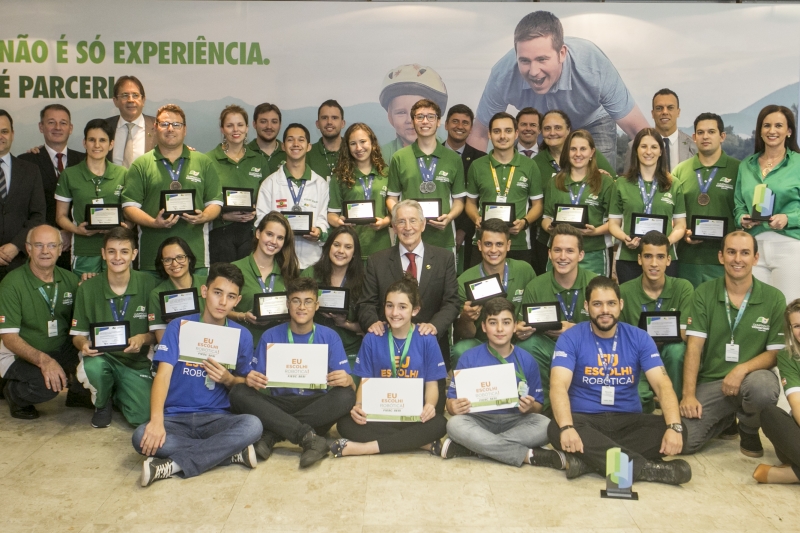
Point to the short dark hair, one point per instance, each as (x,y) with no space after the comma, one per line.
(495,225)
(54,107)
(297,125)
(171,108)
(738,233)
(667,92)
(225,270)
(653,238)
(539,24)
(120,234)
(426,103)
(529,111)
(4,113)
(266,107)
(406,285)
(497,305)
(710,116)
(566,229)
(502,115)
(330,103)
(461,109)
(301,285)
(184,246)
(99,124)
(123,79)
(601,282)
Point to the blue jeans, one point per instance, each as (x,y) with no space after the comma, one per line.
(201,441)
(505,437)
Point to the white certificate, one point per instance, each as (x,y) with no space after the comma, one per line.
(238,199)
(430,209)
(663,326)
(485,289)
(332,298)
(199,341)
(360,210)
(646,224)
(178,201)
(109,336)
(297,366)
(272,305)
(178,303)
(488,388)
(103,216)
(392,399)
(570,214)
(709,228)
(298,222)
(503,212)
(542,314)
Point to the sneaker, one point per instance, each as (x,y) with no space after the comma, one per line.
(154,468)
(263,448)
(675,472)
(731,432)
(314,449)
(436,447)
(548,458)
(575,466)
(27,412)
(246,457)
(337,447)
(102,416)
(750,444)
(452,449)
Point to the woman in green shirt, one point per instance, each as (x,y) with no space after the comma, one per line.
(361,174)
(580,182)
(647,188)
(336,268)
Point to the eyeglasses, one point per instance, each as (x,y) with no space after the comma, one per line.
(180,259)
(420,117)
(131,96)
(175,125)
(41,246)
(297,302)
(406,222)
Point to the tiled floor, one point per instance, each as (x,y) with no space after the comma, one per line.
(58,474)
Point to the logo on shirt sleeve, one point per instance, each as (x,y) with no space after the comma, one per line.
(151,317)
(559,353)
(74,322)
(2,320)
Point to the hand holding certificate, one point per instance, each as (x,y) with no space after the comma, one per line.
(200,341)
(488,387)
(99,217)
(178,202)
(297,366)
(360,212)
(392,399)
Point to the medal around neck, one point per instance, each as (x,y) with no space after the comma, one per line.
(270,306)
(427,187)
(431,207)
(359,212)
(500,210)
(703,199)
(103,216)
(175,186)
(110,336)
(544,316)
(574,215)
(178,202)
(707,228)
(235,199)
(484,289)
(300,221)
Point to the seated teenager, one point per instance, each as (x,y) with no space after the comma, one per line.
(119,294)
(403,353)
(175,263)
(191,429)
(301,416)
(506,435)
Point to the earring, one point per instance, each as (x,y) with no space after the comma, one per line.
(224,144)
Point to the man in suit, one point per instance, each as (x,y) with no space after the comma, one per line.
(134,134)
(458,126)
(55,124)
(22,205)
(529,123)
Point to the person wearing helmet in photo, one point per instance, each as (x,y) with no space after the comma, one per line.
(403,87)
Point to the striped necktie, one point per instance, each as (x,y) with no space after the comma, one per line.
(3,183)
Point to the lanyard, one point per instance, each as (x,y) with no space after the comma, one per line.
(503,361)
(97,182)
(705,185)
(647,200)
(568,314)
(505,274)
(606,364)
(344,280)
(330,165)
(575,199)
(497,183)
(367,188)
(113,304)
(51,304)
(175,175)
(310,339)
(741,310)
(555,166)
(427,172)
(264,287)
(299,196)
(658,305)
(404,355)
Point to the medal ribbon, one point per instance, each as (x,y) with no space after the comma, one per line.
(264,288)
(606,365)
(174,174)
(497,183)
(404,355)
(568,314)
(113,304)
(310,339)
(575,199)
(647,200)
(367,188)
(503,361)
(299,196)
(427,172)
(739,316)
(555,166)
(51,304)
(658,305)
(705,185)
(505,274)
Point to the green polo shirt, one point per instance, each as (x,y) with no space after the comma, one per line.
(597,210)
(321,160)
(146,179)
(545,288)
(92,305)
(371,240)
(627,199)
(350,339)
(760,329)
(721,203)
(78,185)
(274,161)
(520,274)
(23,309)
(154,318)
(675,296)
(525,186)
(790,372)
(248,173)
(405,178)
(252,287)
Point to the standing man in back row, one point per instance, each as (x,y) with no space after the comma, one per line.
(133,135)
(324,153)
(267,123)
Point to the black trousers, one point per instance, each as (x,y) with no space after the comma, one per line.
(539,256)
(230,243)
(784,433)
(637,434)
(394,436)
(628,270)
(293,416)
(25,381)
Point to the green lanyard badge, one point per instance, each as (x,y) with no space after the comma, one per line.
(739,316)
(403,356)
(51,303)
(310,339)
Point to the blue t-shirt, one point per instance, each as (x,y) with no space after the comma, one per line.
(588,89)
(424,359)
(481,356)
(576,351)
(337,358)
(187,388)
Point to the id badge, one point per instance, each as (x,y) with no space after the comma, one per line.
(501,199)
(52,328)
(607,396)
(732,353)
(97,201)
(522,389)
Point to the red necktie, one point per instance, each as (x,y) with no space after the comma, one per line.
(412,265)
(60,165)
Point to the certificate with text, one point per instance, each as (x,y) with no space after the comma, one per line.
(199,341)
(488,387)
(297,366)
(392,399)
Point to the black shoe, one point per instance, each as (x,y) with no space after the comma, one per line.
(76,398)
(750,444)
(314,449)
(246,457)
(154,469)
(102,416)
(452,449)
(263,447)
(731,432)
(549,458)
(675,472)
(575,466)
(28,412)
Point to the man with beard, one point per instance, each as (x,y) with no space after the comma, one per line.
(267,123)
(324,153)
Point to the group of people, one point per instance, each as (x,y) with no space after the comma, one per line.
(590,383)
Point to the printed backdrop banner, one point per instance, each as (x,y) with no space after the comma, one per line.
(726,58)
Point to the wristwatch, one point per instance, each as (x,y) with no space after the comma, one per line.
(564,428)
(677,428)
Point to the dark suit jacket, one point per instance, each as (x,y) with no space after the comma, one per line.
(149,138)
(463,222)
(438,287)
(23,208)
(49,177)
